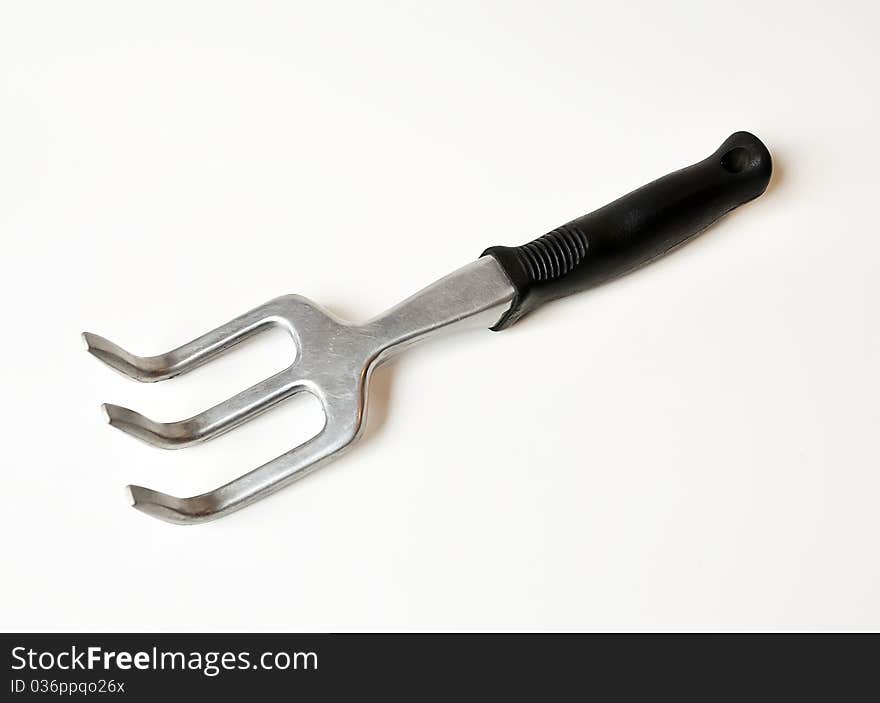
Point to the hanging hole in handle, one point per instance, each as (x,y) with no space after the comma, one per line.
(735,160)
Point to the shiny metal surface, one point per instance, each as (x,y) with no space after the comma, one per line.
(334,361)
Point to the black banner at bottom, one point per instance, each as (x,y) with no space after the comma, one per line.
(135,667)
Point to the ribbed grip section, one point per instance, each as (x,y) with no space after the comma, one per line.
(553,254)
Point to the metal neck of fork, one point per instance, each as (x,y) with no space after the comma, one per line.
(476,295)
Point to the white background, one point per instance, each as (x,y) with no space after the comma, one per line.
(692,447)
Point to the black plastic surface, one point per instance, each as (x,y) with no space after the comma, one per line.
(636,228)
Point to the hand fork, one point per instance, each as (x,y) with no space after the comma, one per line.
(335,358)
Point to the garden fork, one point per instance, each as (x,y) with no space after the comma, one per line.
(335,358)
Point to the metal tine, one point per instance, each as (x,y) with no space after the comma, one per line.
(221,418)
(257,484)
(189,356)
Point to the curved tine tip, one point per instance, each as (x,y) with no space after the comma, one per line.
(153,503)
(138,496)
(144,369)
(122,417)
(116,414)
(171,435)
(178,511)
(95,343)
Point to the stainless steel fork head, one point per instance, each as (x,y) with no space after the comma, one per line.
(334,361)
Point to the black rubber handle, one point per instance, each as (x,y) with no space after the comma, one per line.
(635,229)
